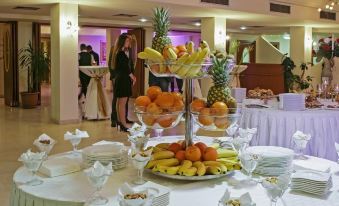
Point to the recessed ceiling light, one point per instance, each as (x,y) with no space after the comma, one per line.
(197,24)
(143,19)
(243,27)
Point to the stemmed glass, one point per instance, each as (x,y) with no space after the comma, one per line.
(276,187)
(325,83)
(32,161)
(139,161)
(98,176)
(75,142)
(158,133)
(300,146)
(249,163)
(319,90)
(195,130)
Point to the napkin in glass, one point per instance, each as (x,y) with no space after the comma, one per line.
(298,135)
(99,170)
(30,156)
(232,130)
(43,137)
(77,134)
(244,199)
(137,129)
(247,133)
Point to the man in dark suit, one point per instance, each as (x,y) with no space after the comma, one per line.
(85,59)
(94,54)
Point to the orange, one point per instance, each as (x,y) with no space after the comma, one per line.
(178,105)
(165,121)
(153,92)
(183,144)
(197,105)
(149,120)
(153,109)
(205,118)
(180,155)
(193,153)
(177,95)
(174,147)
(181,48)
(221,122)
(142,101)
(202,146)
(220,108)
(210,154)
(155,68)
(165,100)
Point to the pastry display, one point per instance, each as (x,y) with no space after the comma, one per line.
(159,109)
(135,196)
(258,93)
(312,102)
(196,160)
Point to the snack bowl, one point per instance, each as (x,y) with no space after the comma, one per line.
(45,146)
(134,197)
(215,119)
(164,118)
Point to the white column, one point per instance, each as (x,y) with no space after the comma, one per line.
(213,30)
(64,63)
(24,36)
(148,43)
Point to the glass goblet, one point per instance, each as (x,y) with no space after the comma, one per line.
(158,133)
(195,130)
(249,163)
(300,146)
(97,183)
(140,164)
(33,165)
(276,187)
(75,142)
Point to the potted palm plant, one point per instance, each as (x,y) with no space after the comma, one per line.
(36,62)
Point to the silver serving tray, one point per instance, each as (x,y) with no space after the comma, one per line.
(193,178)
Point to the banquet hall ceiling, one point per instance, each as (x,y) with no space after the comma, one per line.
(182,16)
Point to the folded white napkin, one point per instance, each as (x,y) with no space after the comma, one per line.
(298,135)
(44,137)
(30,156)
(99,170)
(75,135)
(244,199)
(232,129)
(311,165)
(247,133)
(104,142)
(136,129)
(59,166)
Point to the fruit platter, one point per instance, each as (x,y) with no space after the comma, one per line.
(159,110)
(195,162)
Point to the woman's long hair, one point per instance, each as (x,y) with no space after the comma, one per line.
(119,44)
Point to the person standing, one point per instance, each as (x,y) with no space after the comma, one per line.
(85,59)
(123,67)
(94,54)
(162,82)
(179,84)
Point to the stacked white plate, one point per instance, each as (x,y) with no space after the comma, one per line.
(274,161)
(161,193)
(318,183)
(115,153)
(292,101)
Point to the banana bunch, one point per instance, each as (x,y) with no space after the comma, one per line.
(182,60)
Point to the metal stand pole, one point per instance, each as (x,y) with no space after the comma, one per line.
(188,117)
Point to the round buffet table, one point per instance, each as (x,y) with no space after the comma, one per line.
(97,105)
(74,189)
(276,127)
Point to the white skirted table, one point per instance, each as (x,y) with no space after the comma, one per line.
(276,127)
(74,189)
(97,105)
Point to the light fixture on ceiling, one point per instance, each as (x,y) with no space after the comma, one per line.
(227,37)
(330,5)
(286,36)
(143,20)
(197,24)
(243,27)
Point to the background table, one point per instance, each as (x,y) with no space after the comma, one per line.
(97,105)
(74,189)
(276,127)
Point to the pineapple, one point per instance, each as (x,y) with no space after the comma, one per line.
(220,92)
(161,25)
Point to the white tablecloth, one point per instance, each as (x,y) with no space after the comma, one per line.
(97,105)
(276,127)
(74,189)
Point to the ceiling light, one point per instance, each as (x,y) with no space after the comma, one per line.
(243,27)
(332,3)
(197,24)
(327,6)
(228,37)
(314,43)
(319,9)
(143,20)
(331,7)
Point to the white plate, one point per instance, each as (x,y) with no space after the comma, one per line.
(104,150)
(271,151)
(312,175)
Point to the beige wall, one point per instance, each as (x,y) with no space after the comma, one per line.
(266,53)
(24,36)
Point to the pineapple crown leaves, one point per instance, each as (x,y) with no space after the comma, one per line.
(161,22)
(221,70)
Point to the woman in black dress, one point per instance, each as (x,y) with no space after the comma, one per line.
(124,78)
